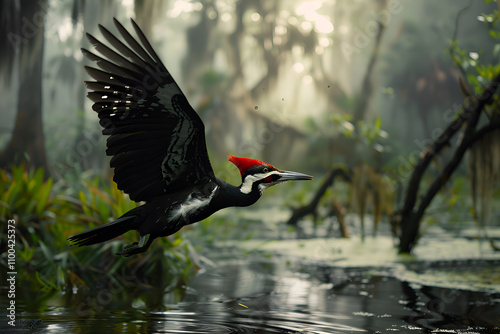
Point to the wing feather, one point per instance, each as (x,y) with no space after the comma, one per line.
(156,139)
(134,44)
(145,42)
(123,49)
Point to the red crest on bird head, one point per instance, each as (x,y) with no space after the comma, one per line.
(244,163)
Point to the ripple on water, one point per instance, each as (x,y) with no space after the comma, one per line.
(245,322)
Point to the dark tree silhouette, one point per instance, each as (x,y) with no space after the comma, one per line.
(26,35)
(410,214)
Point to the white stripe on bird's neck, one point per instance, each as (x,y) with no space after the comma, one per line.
(247,185)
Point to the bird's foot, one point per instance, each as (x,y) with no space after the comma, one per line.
(137,247)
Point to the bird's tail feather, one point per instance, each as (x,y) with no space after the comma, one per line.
(104,232)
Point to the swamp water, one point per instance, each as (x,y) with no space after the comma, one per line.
(323,285)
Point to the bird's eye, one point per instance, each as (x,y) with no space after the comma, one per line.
(265,170)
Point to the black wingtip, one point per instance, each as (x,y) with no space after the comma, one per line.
(136,26)
(87,53)
(117,23)
(104,30)
(91,39)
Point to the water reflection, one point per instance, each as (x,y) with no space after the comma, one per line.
(267,297)
(264,298)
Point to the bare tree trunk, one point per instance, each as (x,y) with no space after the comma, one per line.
(27,142)
(367,87)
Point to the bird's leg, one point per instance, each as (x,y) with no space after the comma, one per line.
(141,246)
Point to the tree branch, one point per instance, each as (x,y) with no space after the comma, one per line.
(310,208)
(410,218)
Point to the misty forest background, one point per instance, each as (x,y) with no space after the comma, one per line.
(381,98)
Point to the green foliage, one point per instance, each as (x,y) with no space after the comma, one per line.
(211,79)
(25,194)
(45,216)
(103,205)
(479,75)
(369,133)
(343,124)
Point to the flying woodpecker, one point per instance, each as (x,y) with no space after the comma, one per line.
(157,144)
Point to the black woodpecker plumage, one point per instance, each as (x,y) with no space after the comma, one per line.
(157,144)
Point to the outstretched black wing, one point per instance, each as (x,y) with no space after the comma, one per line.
(156,138)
